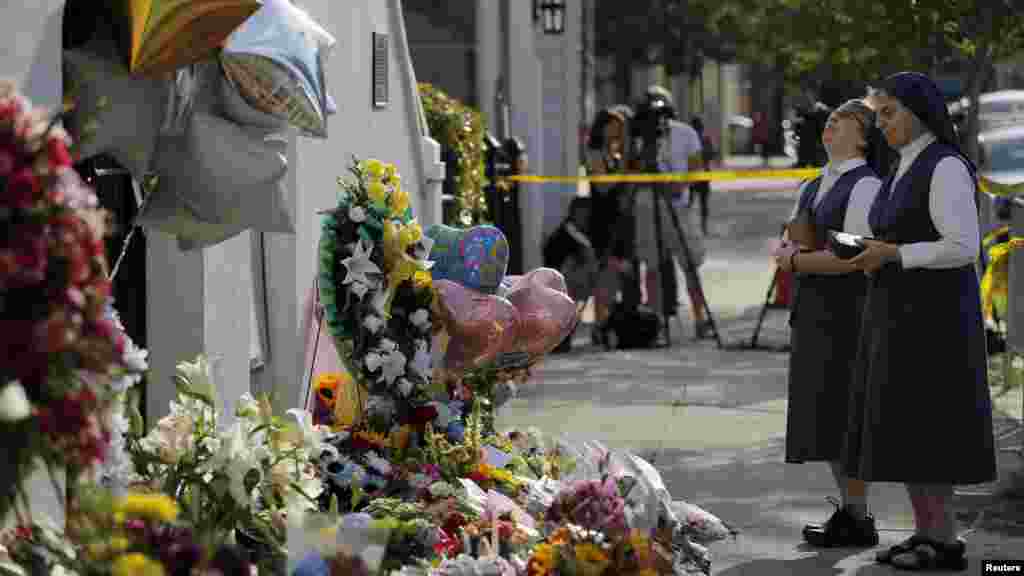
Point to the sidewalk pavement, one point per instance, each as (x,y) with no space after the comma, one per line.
(713,422)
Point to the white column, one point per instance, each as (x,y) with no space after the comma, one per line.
(488,60)
(525,90)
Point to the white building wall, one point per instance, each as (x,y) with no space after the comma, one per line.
(200,302)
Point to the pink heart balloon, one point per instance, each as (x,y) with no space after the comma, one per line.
(546,313)
(479,325)
(544,276)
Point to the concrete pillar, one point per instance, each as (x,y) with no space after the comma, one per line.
(525,98)
(489,65)
(562,114)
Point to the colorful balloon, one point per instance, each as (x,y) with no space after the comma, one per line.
(476,258)
(546,312)
(275,62)
(164,35)
(479,326)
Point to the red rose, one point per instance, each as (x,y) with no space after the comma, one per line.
(423,415)
(8,158)
(22,188)
(454,522)
(58,152)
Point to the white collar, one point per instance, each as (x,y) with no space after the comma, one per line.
(909,152)
(844,166)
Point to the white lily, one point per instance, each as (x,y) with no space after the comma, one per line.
(373,361)
(393,367)
(14,404)
(248,407)
(380,303)
(373,323)
(422,360)
(236,460)
(198,377)
(357,214)
(312,435)
(420,318)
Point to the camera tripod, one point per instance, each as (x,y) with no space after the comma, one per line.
(659,196)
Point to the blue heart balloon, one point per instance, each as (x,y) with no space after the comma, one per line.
(476,258)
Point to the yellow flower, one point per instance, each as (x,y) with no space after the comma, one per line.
(409,235)
(502,475)
(374,168)
(156,507)
(405,269)
(587,552)
(136,565)
(542,561)
(390,173)
(591,560)
(422,280)
(399,202)
(378,193)
(374,438)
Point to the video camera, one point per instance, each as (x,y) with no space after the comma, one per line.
(650,120)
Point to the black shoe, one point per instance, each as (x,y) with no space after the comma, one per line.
(842,530)
(704,330)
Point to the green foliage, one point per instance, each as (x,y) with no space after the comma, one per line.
(460,129)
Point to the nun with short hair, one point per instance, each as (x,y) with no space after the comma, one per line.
(920,409)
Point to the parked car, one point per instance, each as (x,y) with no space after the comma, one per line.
(1002,154)
(998,109)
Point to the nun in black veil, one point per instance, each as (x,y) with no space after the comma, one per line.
(920,409)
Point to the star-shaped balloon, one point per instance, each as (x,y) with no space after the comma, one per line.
(114,113)
(164,35)
(359,264)
(275,62)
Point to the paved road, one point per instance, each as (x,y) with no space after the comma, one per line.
(713,421)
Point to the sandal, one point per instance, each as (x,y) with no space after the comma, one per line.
(886,556)
(931,555)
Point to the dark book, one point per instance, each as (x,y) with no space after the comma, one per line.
(845,245)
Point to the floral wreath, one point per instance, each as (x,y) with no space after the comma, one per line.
(375,285)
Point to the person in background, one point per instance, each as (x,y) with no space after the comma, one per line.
(610,208)
(680,152)
(825,320)
(921,411)
(699,191)
(570,251)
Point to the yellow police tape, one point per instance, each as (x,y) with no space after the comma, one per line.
(987,186)
(712,176)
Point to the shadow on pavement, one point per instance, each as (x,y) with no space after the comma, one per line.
(820,564)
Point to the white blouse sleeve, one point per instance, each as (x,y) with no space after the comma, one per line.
(859,206)
(799,195)
(955,216)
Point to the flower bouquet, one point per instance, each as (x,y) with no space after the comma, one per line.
(573,549)
(67,360)
(134,534)
(241,480)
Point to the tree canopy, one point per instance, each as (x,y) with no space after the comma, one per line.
(816,42)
